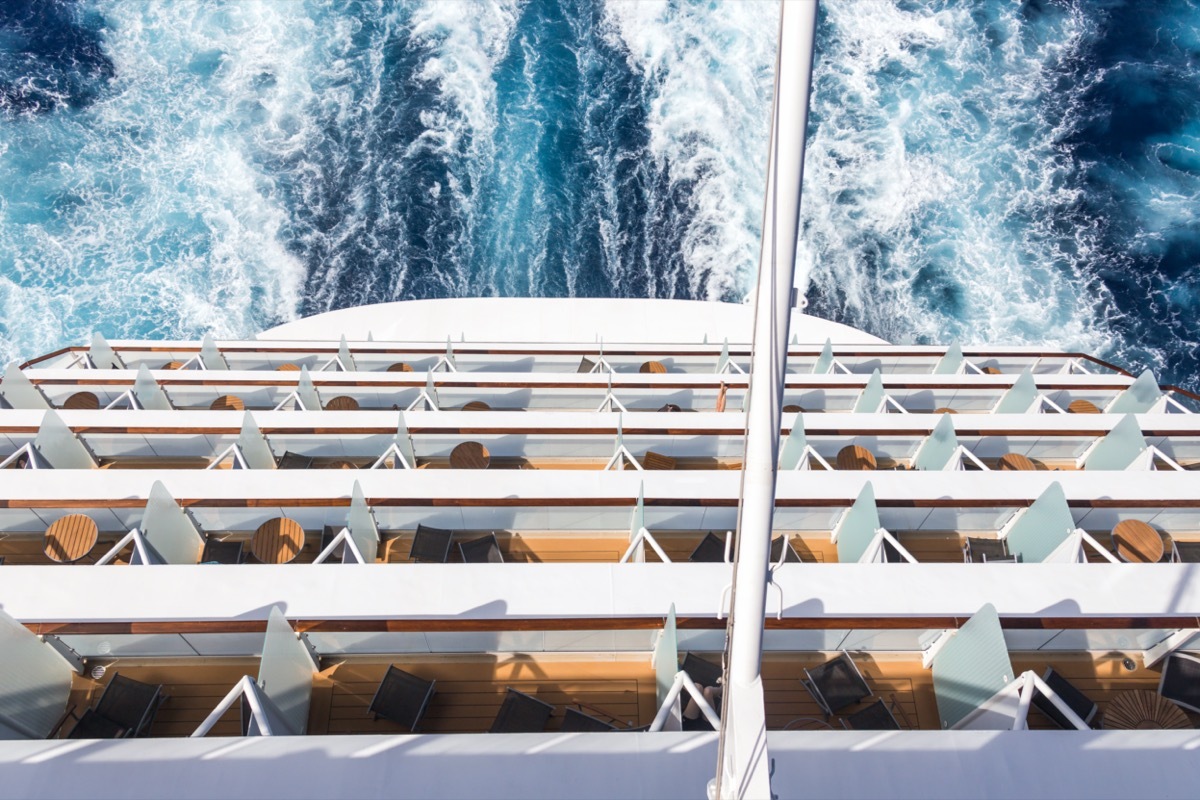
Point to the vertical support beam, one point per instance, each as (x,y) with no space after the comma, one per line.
(744,764)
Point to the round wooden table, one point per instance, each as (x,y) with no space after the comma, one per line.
(1017,462)
(1141,710)
(400,366)
(172,365)
(470,455)
(228,402)
(992,371)
(1136,542)
(287,368)
(476,405)
(342,403)
(277,541)
(793,410)
(854,457)
(1082,407)
(944,410)
(70,538)
(653,366)
(82,401)
(342,465)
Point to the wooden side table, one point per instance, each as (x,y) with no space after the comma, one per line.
(470,455)
(82,401)
(854,457)
(1137,542)
(228,402)
(287,368)
(400,366)
(172,365)
(342,403)
(653,366)
(1082,407)
(277,541)
(70,538)
(476,405)
(1017,462)
(1142,709)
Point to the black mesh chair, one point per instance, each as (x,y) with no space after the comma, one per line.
(290,460)
(586,365)
(875,717)
(711,550)
(126,709)
(836,684)
(1185,552)
(219,552)
(402,698)
(328,534)
(579,722)
(521,713)
(979,549)
(777,545)
(431,545)
(1180,682)
(1076,700)
(483,550)
(702,672)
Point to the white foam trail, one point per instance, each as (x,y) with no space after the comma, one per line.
(934,173)
(709,77)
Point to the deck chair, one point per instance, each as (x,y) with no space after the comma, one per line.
(290,460)
(701,671)
(222,552)
(653,460)
(521,713)
(586,365)
(711,550)
(1180,682)
(836,684)
(328,534)
(579,722)
(1079,702)
(402,698)
(1185,552)
(875,717)
(983,550)
(126,709)
(431,545)
(483,550)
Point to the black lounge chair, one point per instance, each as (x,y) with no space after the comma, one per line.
(126,709)
(777,545)
(836,684)
(875,717)
(328,534)
(1180,682)
(402,698)
(982,550)
(579,722)
(586,365)
(222,552)
(1076,700)
(1185,552)
(483,550)
(711,550)
(702,672)
(290,460)
(431,545)
(521,713)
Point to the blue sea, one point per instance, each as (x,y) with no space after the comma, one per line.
(992,171)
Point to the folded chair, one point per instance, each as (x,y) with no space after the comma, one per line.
(126,709)
(875,717)
(402,698)
(521,713)
(653,460)
(836,684)
(983,550)
(1180,682)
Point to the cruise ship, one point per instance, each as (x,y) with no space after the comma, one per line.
(548,548)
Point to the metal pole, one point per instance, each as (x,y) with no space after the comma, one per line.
(744,768)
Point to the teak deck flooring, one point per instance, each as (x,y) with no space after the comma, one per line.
(470,688)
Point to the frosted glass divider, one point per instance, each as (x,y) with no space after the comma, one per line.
(856,529)
(210,356)
(345,356)
(256,452)
(35,683)
(169,530)
(149,394)
(307,392)
(795,447)
(941,446)
(361,523)
(285,674)
(952,363)
(1021,396)
(19,392)
(824,363)
(872,398)
(666,664)
(1040,529)
(1120,447)
(636,524)
(404,442)
(1142,396)
(101,355)
(57,445)
(971,668)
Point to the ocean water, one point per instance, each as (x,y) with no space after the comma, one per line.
(988,171)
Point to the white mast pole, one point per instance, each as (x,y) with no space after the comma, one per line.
(744,769)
